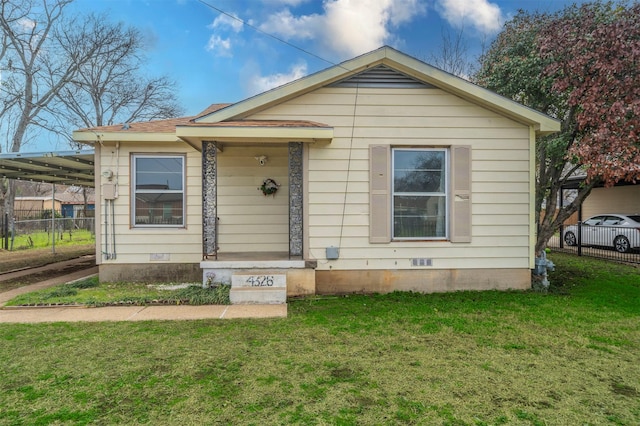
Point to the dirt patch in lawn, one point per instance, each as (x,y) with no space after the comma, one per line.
(20,268)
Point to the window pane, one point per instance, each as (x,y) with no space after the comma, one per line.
(419,217)
(419,171)
(159,173)
(159,208)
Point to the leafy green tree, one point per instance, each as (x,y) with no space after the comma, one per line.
(579,65)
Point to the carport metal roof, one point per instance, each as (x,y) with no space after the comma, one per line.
(63,167)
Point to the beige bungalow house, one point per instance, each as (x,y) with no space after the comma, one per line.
(378,174)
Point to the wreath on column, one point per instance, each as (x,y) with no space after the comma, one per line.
(269,187)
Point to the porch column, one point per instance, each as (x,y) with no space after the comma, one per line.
(209,199)
(295,198)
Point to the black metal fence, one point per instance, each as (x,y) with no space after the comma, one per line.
(617,243)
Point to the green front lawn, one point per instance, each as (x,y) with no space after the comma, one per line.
(471,358)
(90,292)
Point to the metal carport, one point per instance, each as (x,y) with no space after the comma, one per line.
(57,167)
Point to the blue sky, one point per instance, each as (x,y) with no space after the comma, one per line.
(215,58)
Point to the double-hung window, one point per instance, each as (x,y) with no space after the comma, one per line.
(419,193)
(158,190)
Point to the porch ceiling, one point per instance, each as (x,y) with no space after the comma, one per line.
(255,131)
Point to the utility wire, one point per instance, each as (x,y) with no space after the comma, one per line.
(243,22)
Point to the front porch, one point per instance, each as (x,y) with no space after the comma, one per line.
(261,277)
(251,238)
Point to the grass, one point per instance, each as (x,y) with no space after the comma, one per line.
(35,240)
(471,358)
(90,292)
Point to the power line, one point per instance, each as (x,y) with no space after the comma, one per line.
(243,22)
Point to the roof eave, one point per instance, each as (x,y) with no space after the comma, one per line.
(255,133)
(84,136)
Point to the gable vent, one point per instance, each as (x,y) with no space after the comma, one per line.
(381,76)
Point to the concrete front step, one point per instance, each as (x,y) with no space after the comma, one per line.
(298,277)
(262,287)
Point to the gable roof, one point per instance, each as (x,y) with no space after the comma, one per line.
(389,58)
(382,67)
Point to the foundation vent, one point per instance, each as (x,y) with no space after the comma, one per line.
(421,262)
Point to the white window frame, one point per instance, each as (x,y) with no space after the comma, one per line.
(444,194)
(135,191)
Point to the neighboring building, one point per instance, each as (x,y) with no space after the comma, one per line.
(34,207)
(622,198)
(392,174)
(73,203)
(69,203)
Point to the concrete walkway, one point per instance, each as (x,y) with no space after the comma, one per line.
(139,313)
(124,313)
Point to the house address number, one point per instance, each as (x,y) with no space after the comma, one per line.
(260,280)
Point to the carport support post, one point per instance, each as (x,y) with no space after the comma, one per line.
(579,238)
(580,230)
(5,226)
(562,224)
(53,218)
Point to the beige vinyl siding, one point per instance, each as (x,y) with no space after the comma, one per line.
(250,221)
(138,244)
(619,199)
(338,200)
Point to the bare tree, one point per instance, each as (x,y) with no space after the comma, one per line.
(453,56)
(109,88)
(60,71)
(35,69)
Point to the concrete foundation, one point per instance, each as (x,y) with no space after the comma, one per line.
(423,281)
(305,281)
(145,272)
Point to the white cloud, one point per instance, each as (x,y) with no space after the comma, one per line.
(220,46)
(284,2)
(258,83)
(285,24)
(346,27)
(482,15)
(225,21)
(26,24)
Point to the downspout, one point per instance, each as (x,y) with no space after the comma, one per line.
(106,229)
(113,228)
(112,202)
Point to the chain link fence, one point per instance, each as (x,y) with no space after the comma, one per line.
(20,234)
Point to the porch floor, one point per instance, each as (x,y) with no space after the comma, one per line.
(252,256)
(247,260)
